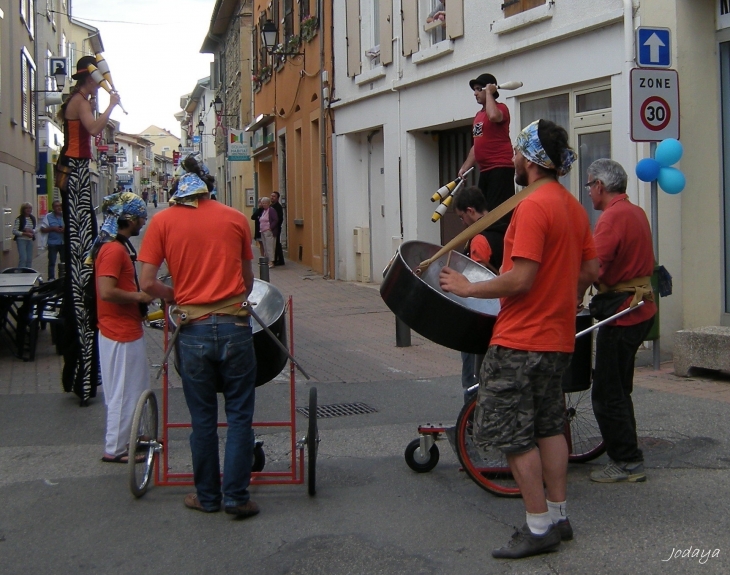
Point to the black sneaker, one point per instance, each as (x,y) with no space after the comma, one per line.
(525,543)
(564,528)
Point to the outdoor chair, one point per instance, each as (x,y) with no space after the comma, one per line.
(42,305)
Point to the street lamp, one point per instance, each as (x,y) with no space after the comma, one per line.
(60,77)
(269,34)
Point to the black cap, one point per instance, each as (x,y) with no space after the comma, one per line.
(482,80)
(82,66)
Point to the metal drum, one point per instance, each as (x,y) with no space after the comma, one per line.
(578,376)
(268,302)
(464,324)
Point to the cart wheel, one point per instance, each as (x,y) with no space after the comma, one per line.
(585,441)
(419,462)
(259,458)
(312,443)
(489,469)
(143,443)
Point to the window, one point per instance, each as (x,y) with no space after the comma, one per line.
(50,80)
(27,11)
(27,85)
(512,7)
(434,15)
(288,21)
(586,115)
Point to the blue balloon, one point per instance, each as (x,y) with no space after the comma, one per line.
(647,170)
(668,152)
(671,180)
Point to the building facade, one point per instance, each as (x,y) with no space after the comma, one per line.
(404,111)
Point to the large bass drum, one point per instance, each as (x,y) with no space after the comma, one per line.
(268,303)
(464,324)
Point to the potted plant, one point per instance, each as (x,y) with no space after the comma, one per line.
(308,28)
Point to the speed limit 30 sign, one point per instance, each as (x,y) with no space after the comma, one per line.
(654,104)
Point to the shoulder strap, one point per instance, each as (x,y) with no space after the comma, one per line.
(482,224)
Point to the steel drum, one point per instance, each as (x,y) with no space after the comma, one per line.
(463,324)
(268,303)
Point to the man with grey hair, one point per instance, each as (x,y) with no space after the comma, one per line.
(625,253)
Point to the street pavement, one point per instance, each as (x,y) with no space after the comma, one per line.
(64,511)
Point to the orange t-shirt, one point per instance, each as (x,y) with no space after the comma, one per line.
(204,248)
(480,250)
(120,322)
(549,227)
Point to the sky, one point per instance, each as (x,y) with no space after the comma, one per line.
(153,51)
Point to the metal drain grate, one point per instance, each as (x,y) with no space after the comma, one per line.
(338,410)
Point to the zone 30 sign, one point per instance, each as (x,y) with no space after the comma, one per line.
(654,104)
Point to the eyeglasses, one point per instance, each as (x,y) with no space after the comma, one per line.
(589,185)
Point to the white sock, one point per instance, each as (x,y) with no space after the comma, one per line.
(557,511)
(539,523)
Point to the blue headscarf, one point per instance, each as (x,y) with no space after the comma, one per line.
(528,143)
(121,206)
(189,185)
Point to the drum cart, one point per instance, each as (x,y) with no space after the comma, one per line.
(488,467)
(149,446)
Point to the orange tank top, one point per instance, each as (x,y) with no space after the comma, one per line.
(77,140)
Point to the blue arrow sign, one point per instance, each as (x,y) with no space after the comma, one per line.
(653,47)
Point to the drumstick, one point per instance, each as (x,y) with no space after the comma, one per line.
(448,259)
(512,85)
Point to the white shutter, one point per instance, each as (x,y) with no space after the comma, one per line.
(409,16)
(352,14)
(386,31)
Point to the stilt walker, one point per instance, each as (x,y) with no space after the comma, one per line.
(80,353)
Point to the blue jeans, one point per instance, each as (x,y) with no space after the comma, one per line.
(53,252)
(210,354)
(25,253)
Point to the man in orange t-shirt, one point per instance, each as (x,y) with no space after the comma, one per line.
(484,248)
(549,259)
(122,351)
(207,247)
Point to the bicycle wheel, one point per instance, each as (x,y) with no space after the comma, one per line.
(488,468)
(143,443)
(581,428)
(312,443)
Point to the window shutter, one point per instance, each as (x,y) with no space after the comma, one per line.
(386,31)
(25,94)
(409,16)
(455,19)
(33,112)
(352,9)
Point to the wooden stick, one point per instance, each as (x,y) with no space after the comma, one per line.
(448,259)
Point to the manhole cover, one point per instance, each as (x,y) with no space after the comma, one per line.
(655,444)
(338,410)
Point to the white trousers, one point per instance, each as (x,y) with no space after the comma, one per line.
(269,244)
(125,374)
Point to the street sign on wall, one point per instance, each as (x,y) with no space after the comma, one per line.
(653,47)
(654,104)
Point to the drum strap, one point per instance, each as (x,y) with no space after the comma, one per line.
(483,223)
(640,287)
(231,306)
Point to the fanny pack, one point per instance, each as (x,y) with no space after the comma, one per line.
(61,174)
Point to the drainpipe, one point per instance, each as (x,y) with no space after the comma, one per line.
(629,35)
(323,146)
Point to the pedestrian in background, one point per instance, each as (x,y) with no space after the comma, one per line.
(278,251)
(154,197)
(52,226)
(268,221)
(24,235)
(626,256)
(121,308)
(257,227)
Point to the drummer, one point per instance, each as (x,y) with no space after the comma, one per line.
(207,247)
(549,258)
(484,248)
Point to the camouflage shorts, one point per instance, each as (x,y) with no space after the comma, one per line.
(520,398)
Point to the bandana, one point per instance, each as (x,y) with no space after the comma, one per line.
(122,206)
(189,189)
(528,143)
(189,185)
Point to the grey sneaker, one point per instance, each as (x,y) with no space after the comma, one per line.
(525,543)
(616,471)
(565,529)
